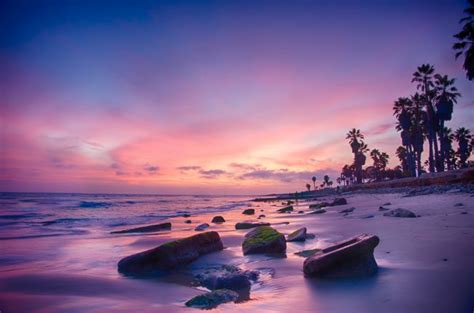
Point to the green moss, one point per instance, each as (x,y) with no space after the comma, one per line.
(261,236)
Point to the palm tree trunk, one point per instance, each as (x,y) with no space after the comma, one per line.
(437,158)
(442,146)
(430,156)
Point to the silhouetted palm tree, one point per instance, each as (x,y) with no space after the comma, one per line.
(308,186)
(314,182)
(465,44)
(446,97)
(424,79)
(358,148)
(463,137)
(402,155)
(447,143)
(403,109)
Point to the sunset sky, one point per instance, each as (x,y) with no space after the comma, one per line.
(208,97)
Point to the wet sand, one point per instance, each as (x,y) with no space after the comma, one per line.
(425,263)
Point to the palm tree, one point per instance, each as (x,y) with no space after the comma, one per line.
(465,44)
(463,137)
(417,129)
(446,96)
(402,155)
(424,79)
(314,181)
(403,109)
(447,143)
(308,186)
(357,145)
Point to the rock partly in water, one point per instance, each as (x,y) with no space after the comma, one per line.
(188,221)
(348,210)
(400,213)
(339,201)
(264,239)
(319,205)
(171,254)
(381,208)
(201,227)
(310,236)
(301,212)
(249,212)
(287,209)
(145,229)
(387,203)
(210,300)
(297,235)
(186,215)
(228,277)
(459,204)
(261,216)
(248,225)
(307,253)
(349,258)
(218,219)
(319,211)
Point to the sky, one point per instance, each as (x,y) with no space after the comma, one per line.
(208,97)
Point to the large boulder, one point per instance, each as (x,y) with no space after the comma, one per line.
(248,225)
(171,254)
(249,212)
(287,209)
(349,258)
(145,229)
(264,239)
(218,219)
(400,213)
(212,299)
(297,235)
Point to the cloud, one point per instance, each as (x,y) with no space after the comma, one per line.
(188,168)
(151,169)
(211,174)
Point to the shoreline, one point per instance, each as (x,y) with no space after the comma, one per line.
(413,274)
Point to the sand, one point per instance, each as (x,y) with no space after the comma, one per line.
(426,264)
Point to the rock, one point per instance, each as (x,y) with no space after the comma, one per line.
(297,235)
(307,253)
(387,203)
(249,212)
(400,213)
(248,225)
(186,215)
(381,208)
(319,205)
(171,254)
(339,201)
(348,210)
(264,239)
(464,212)
(201,227)
(352,257)
(459,204)
(218,219)
(261,216)
(212,299)
(287,209)
(319,211)
(188,221)
(310,236)
(228,277)
(145,229)
(367,216)
(301,212)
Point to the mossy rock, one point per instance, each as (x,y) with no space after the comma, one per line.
(264,239)
(212,299)
(287,209)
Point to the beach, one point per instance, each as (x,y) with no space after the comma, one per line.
(425,263)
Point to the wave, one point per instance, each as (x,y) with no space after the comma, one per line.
(93,204)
